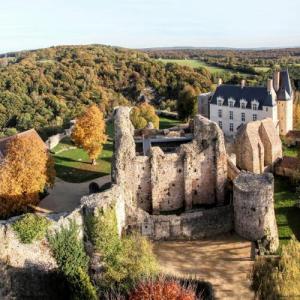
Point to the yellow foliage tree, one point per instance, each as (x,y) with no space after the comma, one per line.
(143,114)
(89,132)
(297,111)
(25,172)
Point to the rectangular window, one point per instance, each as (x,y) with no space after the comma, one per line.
(230,104)
(254,106)
(219,102)
(231,127)
(231,115)
(220,113)
(254,117)
(243,117)
(220,124)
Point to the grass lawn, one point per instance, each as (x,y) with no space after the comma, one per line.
(287,215)
(165,123)
(290,151)
(72,164)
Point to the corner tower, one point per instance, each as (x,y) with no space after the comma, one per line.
(285,97)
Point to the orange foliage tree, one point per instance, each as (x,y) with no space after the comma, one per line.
(25,172)
(89,132)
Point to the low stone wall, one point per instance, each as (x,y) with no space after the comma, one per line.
(54,140)
(189,225)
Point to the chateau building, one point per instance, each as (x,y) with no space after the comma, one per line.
(231,106)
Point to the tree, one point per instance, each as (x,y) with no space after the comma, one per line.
(142,114)
(25,172)
(89,132)
(187,103)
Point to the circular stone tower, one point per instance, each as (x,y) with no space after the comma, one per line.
(253,202)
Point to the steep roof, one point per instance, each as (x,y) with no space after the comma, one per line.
(285,88)
(4,141)
(248,93)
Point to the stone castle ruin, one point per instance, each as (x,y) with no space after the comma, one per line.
(167,184)
(180,182)
(170,170)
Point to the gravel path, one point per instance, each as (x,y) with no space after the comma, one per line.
(65,196)
(225,261)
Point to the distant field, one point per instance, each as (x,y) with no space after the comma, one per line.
(193,63)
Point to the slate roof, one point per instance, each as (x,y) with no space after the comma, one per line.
(248,93)
(285,88)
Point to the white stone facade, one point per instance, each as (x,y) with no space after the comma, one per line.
(224,116)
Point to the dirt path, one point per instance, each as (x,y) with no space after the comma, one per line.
(65,196)
(224,261)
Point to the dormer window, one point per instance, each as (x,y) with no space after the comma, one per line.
(243,104)
(231,102)
(255,105)
(220,101)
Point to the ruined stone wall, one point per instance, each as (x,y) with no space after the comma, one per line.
(271,141)
(167,181)
(143,182)
(253,202)
(257,146)
(195,174)
(190,225)
(29,271)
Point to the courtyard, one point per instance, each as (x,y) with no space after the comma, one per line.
(224,261)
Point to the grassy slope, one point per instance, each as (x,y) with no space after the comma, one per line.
(287,215)
(193,63)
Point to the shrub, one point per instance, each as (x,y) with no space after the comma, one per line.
(143,114)
(30,227)
(162,289)
(72,261)
(273,279)
(127,259)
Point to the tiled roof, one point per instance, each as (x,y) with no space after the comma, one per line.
(288,162)
(4,141)
(293,134)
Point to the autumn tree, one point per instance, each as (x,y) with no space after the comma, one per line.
(187,102)
(142,114)
(26,170)
(89,132)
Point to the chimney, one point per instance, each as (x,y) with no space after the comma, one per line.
(276,80)
(270,85)
(243,83)
(220,81)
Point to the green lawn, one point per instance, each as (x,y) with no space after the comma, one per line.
(72,164)
(193,63)
(287,215)
(290,151)
(165,123)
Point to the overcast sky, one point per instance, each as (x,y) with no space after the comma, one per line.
(30,24)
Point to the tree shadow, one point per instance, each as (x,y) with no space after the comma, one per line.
(31,282)
(75,175)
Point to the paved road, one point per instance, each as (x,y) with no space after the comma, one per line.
(65,196)
(224,261)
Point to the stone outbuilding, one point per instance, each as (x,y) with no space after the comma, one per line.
(257,146)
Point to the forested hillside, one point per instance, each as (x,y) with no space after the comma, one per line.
(46,88)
